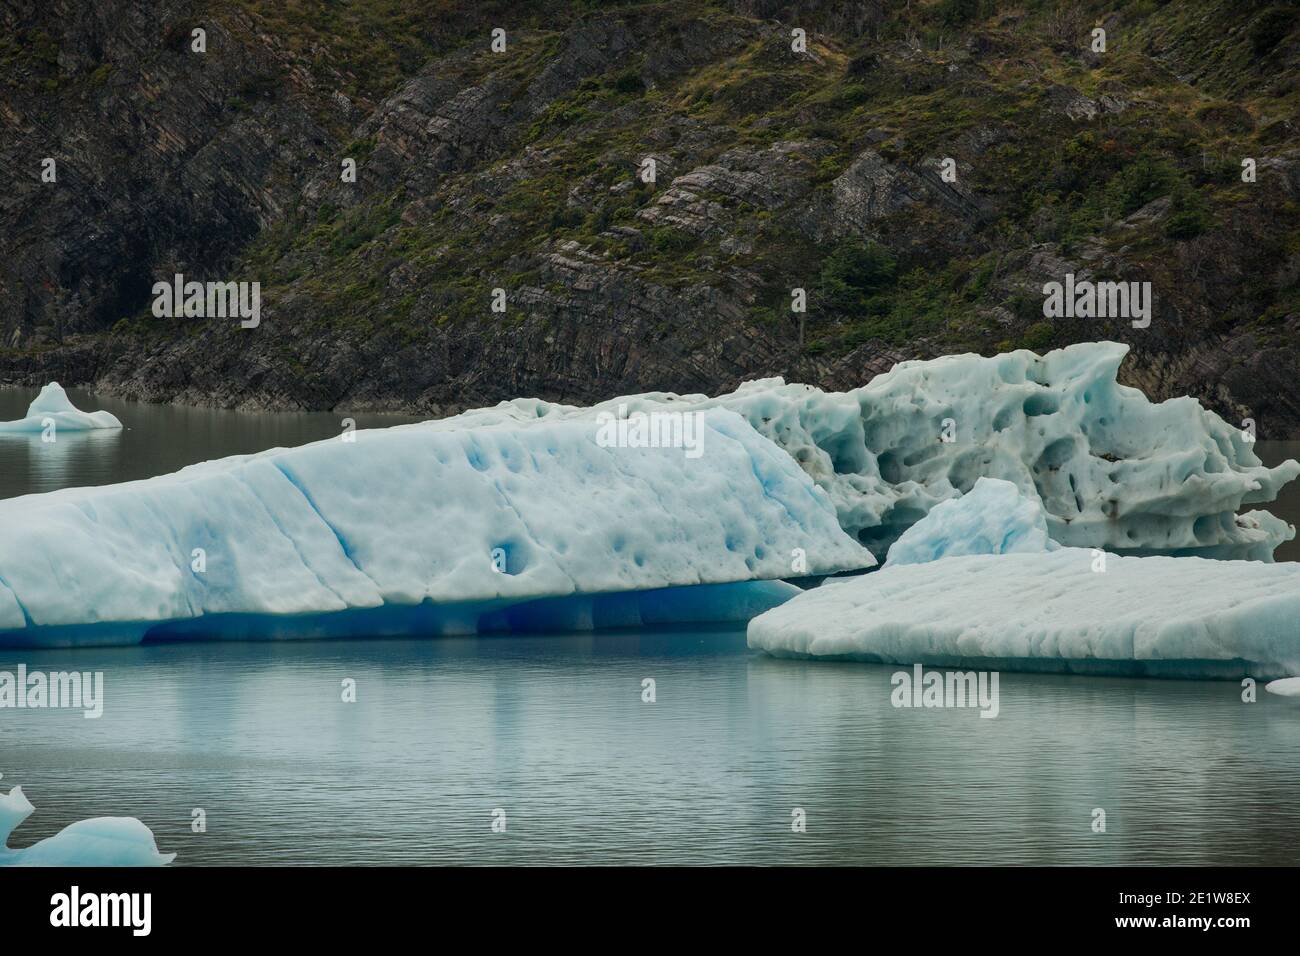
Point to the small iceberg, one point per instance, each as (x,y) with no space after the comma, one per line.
(1284,687)
(102,841)
(52,407)
(976,585)
(992,518)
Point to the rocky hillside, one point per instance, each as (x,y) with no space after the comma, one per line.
(777,166)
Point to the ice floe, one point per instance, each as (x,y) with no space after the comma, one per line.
(103,841)
(1073,609)
(1284,687)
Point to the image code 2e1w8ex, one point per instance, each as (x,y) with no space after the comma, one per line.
(720,435)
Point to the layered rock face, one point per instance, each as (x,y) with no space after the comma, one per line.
(822,169)
(164,159)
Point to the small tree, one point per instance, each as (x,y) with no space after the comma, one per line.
(854,272)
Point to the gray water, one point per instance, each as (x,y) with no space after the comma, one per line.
(553,731)
(154,440)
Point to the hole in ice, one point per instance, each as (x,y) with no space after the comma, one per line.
(1057,453)
(923,454)
(847,454)
(508,558)
(1074,490)
(1203,528)
(1041,403)
(966,471)
(889,467)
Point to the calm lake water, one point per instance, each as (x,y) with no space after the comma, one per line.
(553,731)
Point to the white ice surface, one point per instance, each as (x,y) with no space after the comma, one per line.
(1284,687)
(103,841)
(399,528)
(1162,616)
(991,518)
(1113,470)
(52,407)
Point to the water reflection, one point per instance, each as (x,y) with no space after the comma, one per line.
(71,458)
(553,729)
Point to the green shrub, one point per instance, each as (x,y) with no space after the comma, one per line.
(665,239)
(628,82)
(1038,336)
(1270,28)
(954,13)
(1188,217)
(854,271)
(1144,179)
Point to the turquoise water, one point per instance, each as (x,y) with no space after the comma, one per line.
(553,731)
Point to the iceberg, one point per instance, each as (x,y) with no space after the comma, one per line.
(1284,687)
(53,407)
(1112,469)
(103,841)
(992,518)
(1073,610)
(422,529)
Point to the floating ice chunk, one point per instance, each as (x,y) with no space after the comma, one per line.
(414,527)
(1112,469)
(53,406)
(1284,687)
(992,518)
(1158,616)
(103,841)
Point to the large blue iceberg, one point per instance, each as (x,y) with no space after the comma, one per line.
(423,529)
(1112,469)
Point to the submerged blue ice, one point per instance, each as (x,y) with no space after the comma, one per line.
(103,841)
